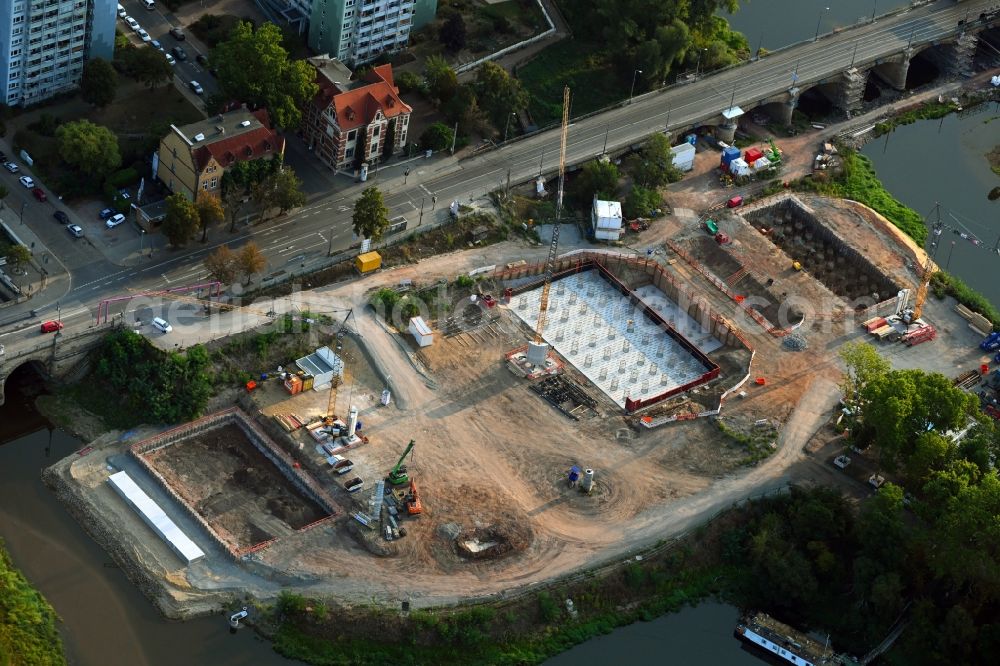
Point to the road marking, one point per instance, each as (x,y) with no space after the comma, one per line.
(424,188)
(165,278)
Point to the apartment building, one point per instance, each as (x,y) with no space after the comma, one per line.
(358,31)
(44,44)
(344,124)
(193,158)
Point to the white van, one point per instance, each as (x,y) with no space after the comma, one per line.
(149,4)
(161,325)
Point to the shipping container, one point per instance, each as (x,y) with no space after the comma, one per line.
(752,155)
(729,154)
(368,262)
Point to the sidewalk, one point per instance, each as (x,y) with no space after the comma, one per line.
(42,281)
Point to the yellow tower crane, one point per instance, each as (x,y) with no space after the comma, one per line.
(918,303)
(550,263)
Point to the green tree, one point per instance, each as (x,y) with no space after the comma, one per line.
(597,178)
(640,202)
(147,66)
(209,212)
(181,221)
(254,67)
(452,32)
(930,453)
(437,137)
(251,260)
(222,265)
(499,94)
(288,190)
(92,150)
(17,255)
(442,82)
(864,365)
(99,84)
(371,216)
(3,194)
(463,108)
(654,166)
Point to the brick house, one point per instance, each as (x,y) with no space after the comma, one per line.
(342,120)
(193,158)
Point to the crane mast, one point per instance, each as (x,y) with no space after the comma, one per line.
(335,382)
(550,262)
(918,303)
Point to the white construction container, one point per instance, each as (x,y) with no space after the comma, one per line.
(421,332)
(683,156)
(761,164)
(739,167)
(606,219)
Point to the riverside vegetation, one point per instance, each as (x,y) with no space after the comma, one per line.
(28,633)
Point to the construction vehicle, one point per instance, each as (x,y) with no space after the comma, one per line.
(550,262)
(397,475)
(354,485)
(922,334)
(991,342)
(412,501)
(774,155)
(913,314)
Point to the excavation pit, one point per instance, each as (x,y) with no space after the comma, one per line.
(235,481)
(621,340)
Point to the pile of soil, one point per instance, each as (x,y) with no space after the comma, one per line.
(494,541)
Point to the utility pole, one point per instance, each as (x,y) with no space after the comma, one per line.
(421,220)
(454,137)
(507,189)
(329,252)
(857,42)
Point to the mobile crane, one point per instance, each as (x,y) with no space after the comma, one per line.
(397,475)
(910,316)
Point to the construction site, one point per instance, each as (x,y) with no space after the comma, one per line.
(564,408)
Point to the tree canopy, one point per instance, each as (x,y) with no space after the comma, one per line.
(210,212)
(597,178)
(147,66)
(653,166)
(222,265)
(99,84)
(371,216)
(498,93)
(254,67)
(181,221)
(452,32)
(92,150)
(250,260)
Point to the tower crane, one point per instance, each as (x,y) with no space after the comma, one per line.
(912,315)
(335,382)
(550,262)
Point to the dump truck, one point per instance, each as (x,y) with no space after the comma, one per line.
(354,485)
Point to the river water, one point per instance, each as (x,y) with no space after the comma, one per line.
(106,621)
(699,635)
(777,23)
(944,161)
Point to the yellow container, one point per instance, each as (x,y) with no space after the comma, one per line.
(368,262)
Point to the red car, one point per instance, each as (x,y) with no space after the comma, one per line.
(51,326)
(39,194)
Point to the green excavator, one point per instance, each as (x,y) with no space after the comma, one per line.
(397,475)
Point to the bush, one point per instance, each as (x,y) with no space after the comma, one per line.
(548,609)
(464,281)
(437,137)
(409,82)
(641,202)
(123,177)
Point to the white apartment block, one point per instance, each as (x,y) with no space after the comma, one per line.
(44,44)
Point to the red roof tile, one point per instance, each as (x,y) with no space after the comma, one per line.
(259,142)
(357,107)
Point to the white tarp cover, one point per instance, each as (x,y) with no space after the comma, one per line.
(154,516)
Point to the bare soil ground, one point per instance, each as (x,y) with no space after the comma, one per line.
(241,494)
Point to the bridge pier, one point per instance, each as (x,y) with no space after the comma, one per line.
(726,131)
(61,357)
(852,90)
(963,51)
(894,72)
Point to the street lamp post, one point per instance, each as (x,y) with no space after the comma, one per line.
(506,127)
(697,63)
(874,8)
(20,216)
(635,75)
(406,174)
(820,20)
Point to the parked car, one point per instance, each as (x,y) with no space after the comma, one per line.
(61,217)
(170,58)
(177,34)
(10,166)
(121,11)
(39,194)
(143,35)
(179,53)
(51,326)
(161,325)
(75,230)
(114,220)
(106,213)
(196,87)
(156,45)
(202,59)
(132,23)
(27,181)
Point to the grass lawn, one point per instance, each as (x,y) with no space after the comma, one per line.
(592,81)
(138,116)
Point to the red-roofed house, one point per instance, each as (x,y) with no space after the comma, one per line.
(341,122)
(193,158)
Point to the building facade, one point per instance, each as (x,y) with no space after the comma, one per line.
(193,158)
(45,43)
(346,124)
(358,31)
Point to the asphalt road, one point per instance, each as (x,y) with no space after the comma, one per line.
(306,235)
